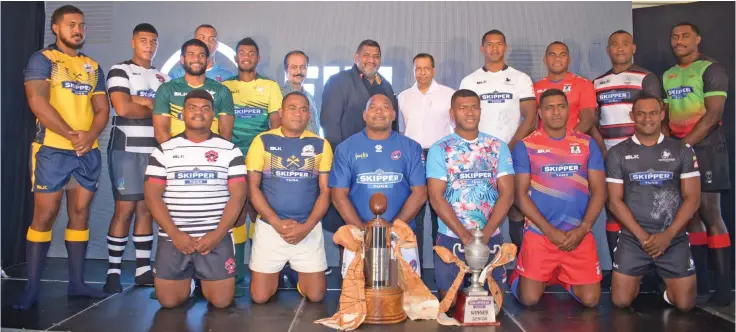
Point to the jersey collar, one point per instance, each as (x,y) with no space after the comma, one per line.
(278,132)
(636,140)
(184,135)
(505,66)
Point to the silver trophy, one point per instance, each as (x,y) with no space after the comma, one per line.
(474,305)
(477,254)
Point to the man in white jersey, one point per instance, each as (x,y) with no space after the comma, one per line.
(195,188)
(132,85)
(507,102)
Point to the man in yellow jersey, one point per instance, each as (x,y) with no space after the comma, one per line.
(257,100)
(167,106)
(66,93)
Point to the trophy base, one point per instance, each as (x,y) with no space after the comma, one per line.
(384,306)
(475,309)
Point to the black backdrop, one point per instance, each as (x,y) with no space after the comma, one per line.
(22,34)
(652,27)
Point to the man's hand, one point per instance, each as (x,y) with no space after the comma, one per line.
(556,236)
(82,141)
(185,243)
(297,233)
(573,238)
(657,244)
(143,101)
(283,226)
(466,237)
(487,235)
(208,242)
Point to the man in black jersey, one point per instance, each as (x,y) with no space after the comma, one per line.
(653,190)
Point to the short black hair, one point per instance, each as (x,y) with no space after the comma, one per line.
(294,93)
(209,26)
(619,32)
(60,12)
(145,27)
(247,41)
(462,93)
(693,26)
(556,42)
(286,57)
(197,43)
(199,94)
(424,55)
(551,93)
(647,96)
(368,42)
(492,32)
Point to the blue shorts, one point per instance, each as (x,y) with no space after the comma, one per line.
(444,274)
(52,168)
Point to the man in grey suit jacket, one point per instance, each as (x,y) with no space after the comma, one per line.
(343,100)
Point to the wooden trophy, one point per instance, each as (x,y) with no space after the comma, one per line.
(382,293)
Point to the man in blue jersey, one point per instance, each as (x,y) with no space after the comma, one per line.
(208,35)
(378,160)
(468,186)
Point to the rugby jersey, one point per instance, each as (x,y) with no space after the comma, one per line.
(254,102)
(73,80)
(290,169)
(196,176)
(579,92)
(170,101)
(616,94)
(133,135)
(216,72)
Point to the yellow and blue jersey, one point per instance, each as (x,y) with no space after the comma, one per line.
(73,81)
(290,169)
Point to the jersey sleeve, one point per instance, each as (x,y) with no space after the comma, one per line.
(275,103)
(436,166)
(38,68)
(341,175)
(614,166)
(587,95)
(100,87)
(505,161)
(118,80)
(417,173)
(522,164)
(526,89)
(715,81)
(225,105)
(689,163)
(651,85)
(465,83)
(254,160)
(325,164)
(161,101)
(156,169)
(595,158)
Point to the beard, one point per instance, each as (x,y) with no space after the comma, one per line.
(246,70)
(188,69)
(71,44)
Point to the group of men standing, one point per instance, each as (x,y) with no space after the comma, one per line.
(182,147)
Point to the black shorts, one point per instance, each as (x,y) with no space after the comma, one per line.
(172,264)
(712,155)
(127,171)
(629,258)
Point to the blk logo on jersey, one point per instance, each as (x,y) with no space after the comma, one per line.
(248,112)
(496,97)
(77,88)
(196,176)
(650,177)
(614,97)
(679,93)
(379,179)
(562,170)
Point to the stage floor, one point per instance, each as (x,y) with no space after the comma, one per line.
(132,310)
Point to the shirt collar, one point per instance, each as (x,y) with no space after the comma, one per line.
(378,76)
(505,66)
(636,140)
(433,86)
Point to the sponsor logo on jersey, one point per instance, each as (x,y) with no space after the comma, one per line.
(575,149)
(361,156)
(666,156)
(567,88)
(496,97)
(77,88)
(605,81)
(40,187)
(179,94)
(481,82)
(475,175)
(614,96)
(680,92)
(248,112)
(561,170)
(308,151)
(651,177)
(629,157)
(292,174)
(396,155)
(195,176)
(178,156)
(379,179)
(147,93)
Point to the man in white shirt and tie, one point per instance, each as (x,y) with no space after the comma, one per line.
(425,118)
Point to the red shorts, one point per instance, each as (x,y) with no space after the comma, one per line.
(540,260)
(612,225)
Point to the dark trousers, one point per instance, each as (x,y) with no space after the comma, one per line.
(419,231)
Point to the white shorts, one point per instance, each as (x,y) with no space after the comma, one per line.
(270,252)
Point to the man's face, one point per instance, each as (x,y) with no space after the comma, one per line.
(379,113)
(296,68)
(295,113)
(198,113)
(684,40)
(554,112)
(466,112)
(145,45)
(194,61)
(209,37)
(493,48)
(621,48)
(71,30)
(647,116)
(423,71)
(368,60)
(247,58)
(557,59)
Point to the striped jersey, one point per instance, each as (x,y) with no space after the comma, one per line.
(133,135)
(73,81)
(616,94)
(196,176)
(253,102)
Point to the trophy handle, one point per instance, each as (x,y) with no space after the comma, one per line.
(459,248)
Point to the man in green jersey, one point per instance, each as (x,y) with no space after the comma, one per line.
(696,93)
(167,106)
(257,100)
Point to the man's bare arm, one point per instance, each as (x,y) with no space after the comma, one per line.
(528,109)
(345,207)
(161,128)
(37,92)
